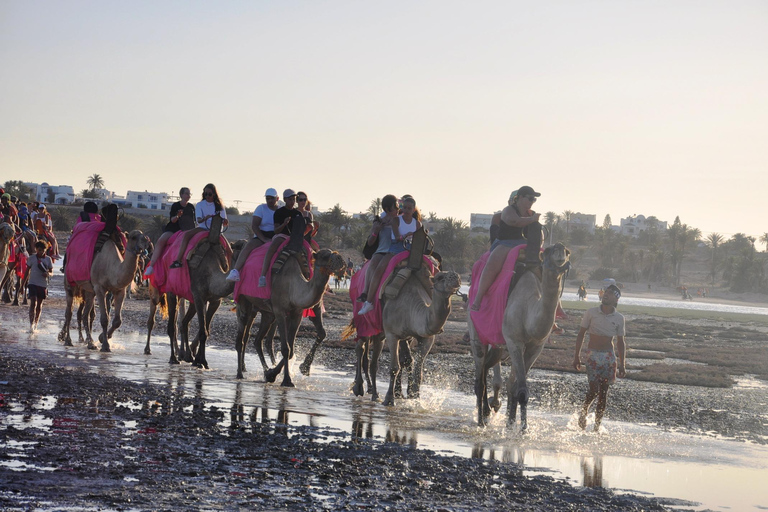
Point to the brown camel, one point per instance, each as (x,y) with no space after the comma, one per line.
(209,286)
(292,293)
(11,285)
(412,314)
(528,320)
(110,272)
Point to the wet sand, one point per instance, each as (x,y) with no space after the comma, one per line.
(110,443)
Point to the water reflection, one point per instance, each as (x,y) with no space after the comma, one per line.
(592,469)
(362,425)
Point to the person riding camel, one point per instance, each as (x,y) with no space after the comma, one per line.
(44,228)
(283,225)
(518,225)
(205,210)
(182,218)
(263,227)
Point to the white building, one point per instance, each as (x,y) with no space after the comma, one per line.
(480,220)
(58,194)
(636,224)
(151,200)
(585,221)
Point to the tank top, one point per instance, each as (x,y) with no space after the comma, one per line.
(404,228)
(507,232)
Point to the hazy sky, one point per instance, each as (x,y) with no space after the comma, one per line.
(606,107)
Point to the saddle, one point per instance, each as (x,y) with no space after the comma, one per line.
(211,243)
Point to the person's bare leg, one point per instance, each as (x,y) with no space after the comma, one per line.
(38,310)
(602,402)
(159,246)
(377,275)
(591,395)
(270,253)
(32,302)
(491,270)
(372,266)
(185,242)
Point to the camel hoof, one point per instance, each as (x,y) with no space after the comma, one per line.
(68,343)
(92,346)
(105,348)
(495,404)
(357,389)
(304,369)
(287,384)
(173,360)
(389,401)
(240,375)
(147,352)
(271,375)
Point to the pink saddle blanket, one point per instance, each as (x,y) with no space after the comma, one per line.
(176,280)
(488,320)
(80,250)
(371,324)
(249,276)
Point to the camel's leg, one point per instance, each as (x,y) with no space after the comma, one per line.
(64,334)
(417,371)
(150,324)
(24,287)
(498,382)
(393,344)
(88,299)
(378,346)
(360,355)
(531,354)
(173,303)
(205,313)
(317,321)
(185,353)
(101,299)
(267,326)
(269,341)
(366,372)
(406,368)
(480,356)
(288,344)
(80,320)
(282,327)
(117,318)
(245,316)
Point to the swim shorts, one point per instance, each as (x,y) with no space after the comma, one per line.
(601,366)
(38,292)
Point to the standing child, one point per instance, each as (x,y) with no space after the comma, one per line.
(603,324)
(40,270)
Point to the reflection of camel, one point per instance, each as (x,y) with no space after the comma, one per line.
(412,314)
(528,320)
(291,295)
(110,272)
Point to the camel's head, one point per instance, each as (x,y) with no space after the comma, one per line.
(137,241)
(557,258)
(447,282)
(330,262)
(7,232)
(237,246)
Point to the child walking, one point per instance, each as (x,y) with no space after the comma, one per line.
(40,270)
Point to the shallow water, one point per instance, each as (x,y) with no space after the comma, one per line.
(708,472)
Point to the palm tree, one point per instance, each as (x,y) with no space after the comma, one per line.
(375,208)
(550,219)
(764,239)
(95,181)
(713,241)
(680,236)
(567,214)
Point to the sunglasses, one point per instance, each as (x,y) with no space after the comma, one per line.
(208,194)
(270,197)
(301,198)
(532,198)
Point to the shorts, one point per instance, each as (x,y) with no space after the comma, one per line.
(37,292)
(601,366)
(396,248)
(267,234)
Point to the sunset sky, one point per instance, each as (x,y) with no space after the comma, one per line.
(605,107)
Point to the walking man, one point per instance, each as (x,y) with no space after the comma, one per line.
(40,270)
(604,324)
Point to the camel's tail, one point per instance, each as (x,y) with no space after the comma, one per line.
(163,306)
(349,331)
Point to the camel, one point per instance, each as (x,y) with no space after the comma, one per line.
(11,286)
(412,314)
(6,235)
(528,319)
(208,286)
(110,272)
(291,294)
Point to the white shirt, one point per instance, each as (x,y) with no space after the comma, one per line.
(267,217)
(203,209)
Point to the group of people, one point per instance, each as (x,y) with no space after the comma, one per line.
(271,224)
(391,232)
(28,217)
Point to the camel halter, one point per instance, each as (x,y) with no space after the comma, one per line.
(564,271)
